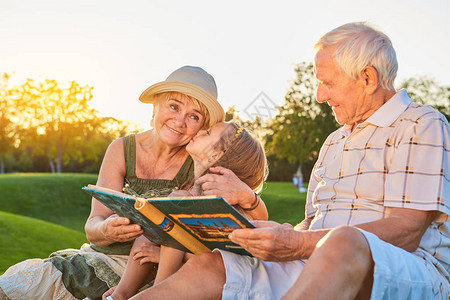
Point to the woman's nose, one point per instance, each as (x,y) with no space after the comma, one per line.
(179,120)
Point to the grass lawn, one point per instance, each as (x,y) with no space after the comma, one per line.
(24,237)
(284,203)
(56,198)
(42,213)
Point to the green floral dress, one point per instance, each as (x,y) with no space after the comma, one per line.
(87,275)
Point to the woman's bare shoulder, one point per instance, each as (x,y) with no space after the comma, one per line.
(116,147)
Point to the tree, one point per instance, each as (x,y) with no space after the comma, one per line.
(256,126)
(47,125)
(96,135)
(299,130)
(302,125)
(54,113)
(427,91)
(7,114)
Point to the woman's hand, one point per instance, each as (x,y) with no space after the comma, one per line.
(119,229)
(224,183)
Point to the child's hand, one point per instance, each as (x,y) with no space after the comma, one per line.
(108,293)
(180,193)
(146,252)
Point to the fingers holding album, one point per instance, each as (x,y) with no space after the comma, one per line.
(269,241)
(119,229)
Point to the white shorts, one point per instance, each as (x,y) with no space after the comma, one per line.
(251,278)
(398,275)
(402,275)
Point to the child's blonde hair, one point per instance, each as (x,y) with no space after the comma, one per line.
(244,155)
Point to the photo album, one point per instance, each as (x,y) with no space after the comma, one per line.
(192,224)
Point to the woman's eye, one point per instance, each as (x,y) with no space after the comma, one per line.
(173,106)
(194,117)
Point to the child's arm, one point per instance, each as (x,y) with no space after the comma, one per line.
(137,273)
(169,262)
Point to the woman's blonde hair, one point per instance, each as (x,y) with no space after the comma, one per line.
(361,45)
(244,155)
(168,95)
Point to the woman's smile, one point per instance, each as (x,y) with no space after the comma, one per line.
(173,130)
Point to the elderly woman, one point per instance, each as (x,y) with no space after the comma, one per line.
(152,163)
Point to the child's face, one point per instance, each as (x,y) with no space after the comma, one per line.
(201,147)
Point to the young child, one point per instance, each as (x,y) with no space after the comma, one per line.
(227,145)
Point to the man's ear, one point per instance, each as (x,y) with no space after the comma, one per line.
(370,77)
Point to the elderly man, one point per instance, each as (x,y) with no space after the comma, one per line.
(377,214)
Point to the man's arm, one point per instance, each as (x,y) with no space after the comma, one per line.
(304,225)
(276,242)
(403,227)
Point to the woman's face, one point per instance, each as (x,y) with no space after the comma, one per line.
(201,147)
(177,119)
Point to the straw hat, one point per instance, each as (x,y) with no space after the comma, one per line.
(191,81)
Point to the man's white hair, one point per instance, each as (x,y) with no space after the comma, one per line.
(359,45)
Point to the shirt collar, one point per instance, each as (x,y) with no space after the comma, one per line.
(391,110)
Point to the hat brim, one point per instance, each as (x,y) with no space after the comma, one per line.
(216,113)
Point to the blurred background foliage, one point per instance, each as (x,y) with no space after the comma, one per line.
(48,126)
(293,137)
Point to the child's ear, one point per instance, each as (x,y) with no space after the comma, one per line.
(216,156)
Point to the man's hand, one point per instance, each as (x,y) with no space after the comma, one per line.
(119,229)
(224,183)
(270,241)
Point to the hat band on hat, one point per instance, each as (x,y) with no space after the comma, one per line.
(191,81)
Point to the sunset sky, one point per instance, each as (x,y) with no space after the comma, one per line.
(122,47)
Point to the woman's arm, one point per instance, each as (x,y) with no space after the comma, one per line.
(103,227)
(224,183)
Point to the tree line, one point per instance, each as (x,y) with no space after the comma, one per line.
(48,126)
(294,136)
